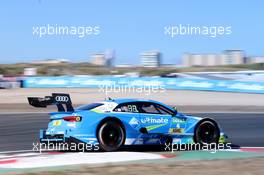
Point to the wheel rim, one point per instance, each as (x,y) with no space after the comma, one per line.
(207,132)
(111,136)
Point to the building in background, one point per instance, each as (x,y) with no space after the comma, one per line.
(124,65)
(103,59)
(255,60)
(110,57)
(151,59)
(30,71)
(98,59)
(228,57)
(233,57)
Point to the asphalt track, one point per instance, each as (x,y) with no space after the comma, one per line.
(18,131)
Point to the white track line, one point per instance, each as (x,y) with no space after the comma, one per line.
(16,151)
(18,155)
(46,160)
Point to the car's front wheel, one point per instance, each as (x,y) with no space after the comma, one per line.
(207,132)
(111,136)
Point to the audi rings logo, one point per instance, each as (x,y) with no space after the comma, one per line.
(62,98)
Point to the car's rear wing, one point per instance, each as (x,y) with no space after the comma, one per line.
(57,99)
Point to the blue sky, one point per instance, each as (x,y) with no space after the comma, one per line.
(129,27)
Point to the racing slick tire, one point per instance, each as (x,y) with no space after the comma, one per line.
(206,132)
(111,136)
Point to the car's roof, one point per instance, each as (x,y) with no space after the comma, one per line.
(110,104)
(126,100)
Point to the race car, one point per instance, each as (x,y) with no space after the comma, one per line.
(114,123)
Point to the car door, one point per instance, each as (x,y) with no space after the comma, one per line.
(153,119)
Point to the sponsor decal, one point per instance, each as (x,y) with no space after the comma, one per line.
(106,107)
(152,141)
(97,111)
(57,123)
(139,141)
(134,122)
(62,98)
(176,130)
(152,127)
(155,120)
(222,139)
(179,120)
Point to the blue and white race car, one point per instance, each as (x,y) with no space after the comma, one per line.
(114,123)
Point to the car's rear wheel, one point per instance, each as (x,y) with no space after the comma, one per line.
(207,132)
(111,136)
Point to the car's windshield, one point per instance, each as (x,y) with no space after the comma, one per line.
(89,106)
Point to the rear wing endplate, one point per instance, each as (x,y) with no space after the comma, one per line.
(58,99)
